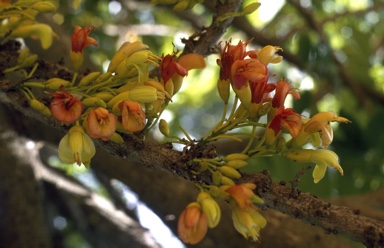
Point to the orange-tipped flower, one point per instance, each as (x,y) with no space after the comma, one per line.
(284,119)
(169,67)
(132,116)
(193,224)
(80,40)
(65,107)
(101,124)
(283,88)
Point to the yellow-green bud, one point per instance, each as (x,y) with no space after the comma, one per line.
(22,55)
(102,78)
(56,83)
(210,208)
(117,138)
(216,177)
(237,164)
(250,8)
(88,79)
(94,102)
(105,96)
(236,156)
(227,181)
(229,172)
(44,6)
(163,127)
(30,60)
(39,106)
(223,89)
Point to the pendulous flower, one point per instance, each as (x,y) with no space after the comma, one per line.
(193,224)
(245,215)
(100,123)
(132,116)
(65,107)
(76,147)
(322,158)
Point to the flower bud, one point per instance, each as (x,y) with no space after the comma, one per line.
(39,106)
(117,138)
(56,83)
(163,127)
(44,6)
(236,156)
(210,208)
(227,181)
(237,164)
(216,177)
(223,89)
(229,172)
(88,79)
(250,8)
(30,60)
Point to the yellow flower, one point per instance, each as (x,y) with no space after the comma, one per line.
(318,124)
(76,147)
(248,222)
(322,159)
(210,208)
(245,216)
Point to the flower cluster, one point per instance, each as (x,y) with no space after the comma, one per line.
(124,99)
(259,104)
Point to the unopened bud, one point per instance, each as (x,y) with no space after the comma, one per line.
(236,156)
(117,138)
(216,177)
(227,181)
(210,208)
(56,83)
(39,106)
(163,127)
(250,8)
(237,164)
(229,172)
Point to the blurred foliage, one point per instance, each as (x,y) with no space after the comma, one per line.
(334,51)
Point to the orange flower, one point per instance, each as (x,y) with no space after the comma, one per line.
(242,194)
(170,67)
(231,53)
(132,116)
(80,39)
(65,107)
(101,124)
(193,224)
(286,119)
(283,88)
(246,70)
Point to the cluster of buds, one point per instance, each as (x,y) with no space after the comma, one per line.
(18,20)
(124,99)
